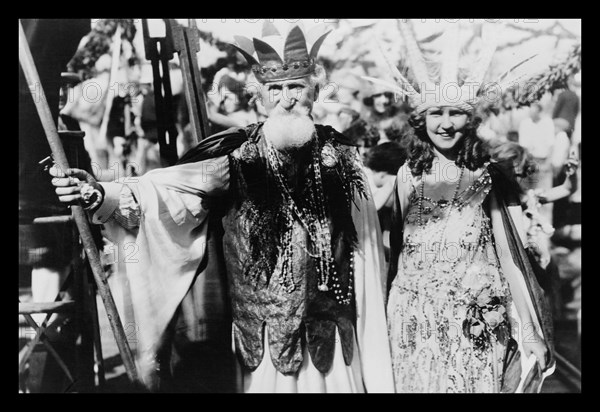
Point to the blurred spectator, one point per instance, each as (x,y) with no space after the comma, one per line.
(346,85)
(560,154)
(229,103)
(382,163)
(362,134)
(339,104)
(538,227)
(102,88)
(383,113)
(147,155)
(514,156)
(346,116)
(121,134)
(575,199)
(491,127)
(510,117)
(566,110)
(566,107)
(235,101)
(561,216)
(536,134)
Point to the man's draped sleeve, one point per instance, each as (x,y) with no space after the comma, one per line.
(169,209)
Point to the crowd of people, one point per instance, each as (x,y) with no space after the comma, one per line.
(330,203)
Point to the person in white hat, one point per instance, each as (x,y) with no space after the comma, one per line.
(302,248)
(383,112)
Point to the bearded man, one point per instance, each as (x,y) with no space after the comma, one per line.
(300,237)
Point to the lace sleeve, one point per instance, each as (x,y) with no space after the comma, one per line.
(127,214)
(120,204)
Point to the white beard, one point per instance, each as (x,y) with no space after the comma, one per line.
(288,132)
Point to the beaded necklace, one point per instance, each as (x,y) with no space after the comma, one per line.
(316,226)
(452,204)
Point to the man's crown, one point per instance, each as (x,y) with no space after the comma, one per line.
(295,61)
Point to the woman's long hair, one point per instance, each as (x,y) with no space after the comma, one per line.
(472,151)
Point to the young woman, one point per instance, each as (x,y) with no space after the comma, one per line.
(460,293)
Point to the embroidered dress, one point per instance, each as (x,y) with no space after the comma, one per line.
(447,306)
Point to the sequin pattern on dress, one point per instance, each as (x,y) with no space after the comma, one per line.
(448,272)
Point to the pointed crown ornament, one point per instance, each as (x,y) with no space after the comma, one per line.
(448,91)
(295,62)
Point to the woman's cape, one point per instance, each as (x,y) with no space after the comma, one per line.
(506,189)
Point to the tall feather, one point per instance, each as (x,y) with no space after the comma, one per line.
(490,36)
(519,73)
(396,74)
(414,55)
(450,54)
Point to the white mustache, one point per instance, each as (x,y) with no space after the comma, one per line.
(298,111)
(289,131)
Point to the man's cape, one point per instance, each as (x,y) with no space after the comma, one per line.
(171,241)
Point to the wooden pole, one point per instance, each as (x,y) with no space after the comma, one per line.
(159,51)
(33,79)
(187,43)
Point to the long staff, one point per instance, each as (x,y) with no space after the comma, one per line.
(33,79)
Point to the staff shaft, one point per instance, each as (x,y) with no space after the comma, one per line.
(33,79)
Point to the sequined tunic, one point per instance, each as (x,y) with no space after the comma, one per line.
(446,266)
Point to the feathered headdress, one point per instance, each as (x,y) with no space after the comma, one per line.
(270,64)
(448,91)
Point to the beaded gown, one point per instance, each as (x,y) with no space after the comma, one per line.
(447,308)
